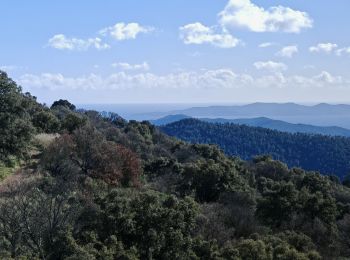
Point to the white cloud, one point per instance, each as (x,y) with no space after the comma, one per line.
(321,80)
(197,33)
(58,81)
(343,51)
(270,66)
(61,42)
(324,47)
(125,31)
(266,44)
(126,66)
(326,77)
(288,51)
(276,79)
(330,48)
(205,79)
(245,14)
(220,78)
(119,31)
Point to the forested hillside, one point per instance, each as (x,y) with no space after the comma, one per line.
(329,155)
(92,186)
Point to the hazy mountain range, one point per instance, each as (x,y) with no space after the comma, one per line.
(265,123)
(317,115)
(269,109)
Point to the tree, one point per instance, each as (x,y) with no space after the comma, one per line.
(56,158)
(33,213)
(46,122)
(98,158)
(250,249)
(278,203)
(158,226)
(16,129)
(86,152)
(208,179)
(346,181)
(63,103)
(73,121)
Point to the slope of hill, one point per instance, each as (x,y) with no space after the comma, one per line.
(330,155)
(265,123)
(168,119)
(99,187)
(289,127)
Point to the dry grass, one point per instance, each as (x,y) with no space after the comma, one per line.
(6,171)
(17,179)
(44,140)
(17,169)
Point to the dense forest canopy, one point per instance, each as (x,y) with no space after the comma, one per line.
(326,154)
(94,186)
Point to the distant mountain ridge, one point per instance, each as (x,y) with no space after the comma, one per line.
(268,109)
(169,119)
(265,123)
(318,115)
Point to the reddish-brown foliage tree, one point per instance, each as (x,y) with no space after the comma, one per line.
(116,165)
(88,153)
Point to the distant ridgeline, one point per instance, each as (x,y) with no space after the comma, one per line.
(326,154)
(265,123)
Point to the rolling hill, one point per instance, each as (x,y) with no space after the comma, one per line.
(328,155)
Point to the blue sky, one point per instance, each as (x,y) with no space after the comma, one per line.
(156,51)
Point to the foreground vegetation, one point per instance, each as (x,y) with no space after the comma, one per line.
(99,187)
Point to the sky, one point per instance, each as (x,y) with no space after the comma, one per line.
(178,51)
